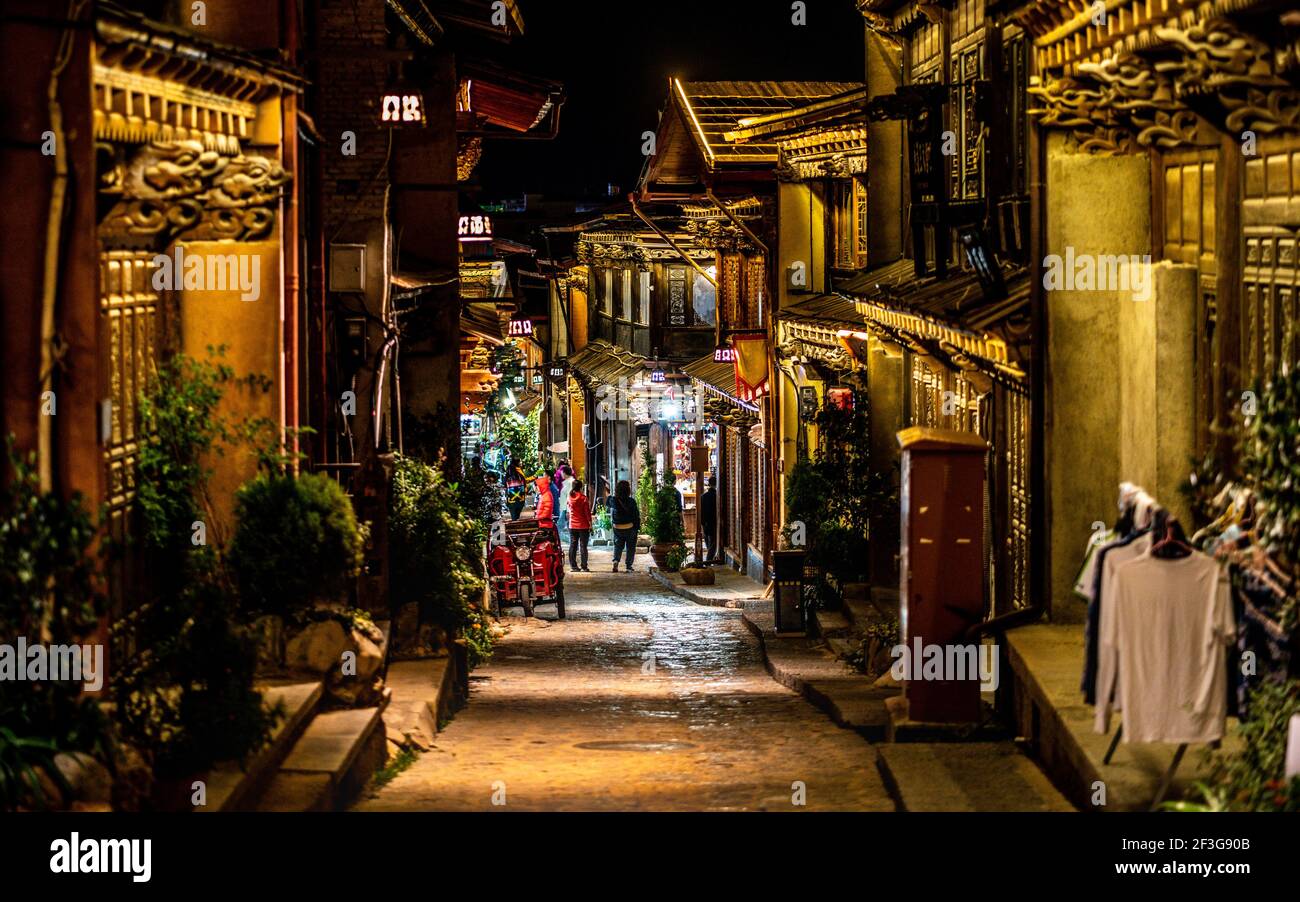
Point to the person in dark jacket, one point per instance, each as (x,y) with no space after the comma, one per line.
(626,517)
(709,517)
(516,488)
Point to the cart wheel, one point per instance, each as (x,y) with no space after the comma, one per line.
(559,602)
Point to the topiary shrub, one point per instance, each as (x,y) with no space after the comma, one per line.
(296,543)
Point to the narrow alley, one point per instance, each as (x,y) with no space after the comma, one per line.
(640,700)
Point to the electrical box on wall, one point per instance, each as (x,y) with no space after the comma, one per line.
(347,267)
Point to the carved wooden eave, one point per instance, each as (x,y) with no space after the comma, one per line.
(613,248)
(1157,69)
(180,191)
(151,82)
(895,18)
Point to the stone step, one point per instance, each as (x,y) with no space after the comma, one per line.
(231,787)
(969,776)
(424,696)
(298,792)
(340,750)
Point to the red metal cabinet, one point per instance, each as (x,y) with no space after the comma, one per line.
(942,562)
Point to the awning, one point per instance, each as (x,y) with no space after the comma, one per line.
(482,320)
(717,378)
(602,363)
(412,284)
(949,318)
(524,407)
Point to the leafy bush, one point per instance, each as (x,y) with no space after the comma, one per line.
(480,498)
(436,557)
(675,557)
(834,493)
(184,684)
(297,542)
(1270,462)
(519,435)
(47,594)
(645,486)
(1253,777)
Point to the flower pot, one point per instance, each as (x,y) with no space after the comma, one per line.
(698,576)
(659,554)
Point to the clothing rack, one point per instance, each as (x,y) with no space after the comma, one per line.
(1135,504)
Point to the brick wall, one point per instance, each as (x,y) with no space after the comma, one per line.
(351,78)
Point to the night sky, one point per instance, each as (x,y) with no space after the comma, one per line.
(614,58)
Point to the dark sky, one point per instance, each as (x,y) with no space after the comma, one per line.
(614,58)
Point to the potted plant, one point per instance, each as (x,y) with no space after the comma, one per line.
(666,529)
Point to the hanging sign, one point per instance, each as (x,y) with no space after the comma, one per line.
(521,327)
(474,227)
(404,108)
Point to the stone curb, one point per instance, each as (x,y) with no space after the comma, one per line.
(684,591)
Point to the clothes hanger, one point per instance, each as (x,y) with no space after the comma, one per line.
(1172,546)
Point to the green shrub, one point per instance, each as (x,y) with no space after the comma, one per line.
(645,486)
(183,684)
(436,554)
(519,435)
(1253,776)
(666,526)
(834,492)
(47,593)
(297,542)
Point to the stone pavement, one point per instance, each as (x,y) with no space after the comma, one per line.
(640,700)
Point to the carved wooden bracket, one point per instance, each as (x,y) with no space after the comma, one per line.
(178,191)
(1208,70)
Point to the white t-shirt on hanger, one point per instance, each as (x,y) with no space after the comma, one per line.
(1171,621)
(1108,674)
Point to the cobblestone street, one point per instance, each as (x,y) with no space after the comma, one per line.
(640,700)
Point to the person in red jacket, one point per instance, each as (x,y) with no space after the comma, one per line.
(579,526)
(545,503)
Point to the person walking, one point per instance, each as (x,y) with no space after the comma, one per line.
(709,518)
(579,525)
(566,487)
(516,488)
(545,513)
(626,516)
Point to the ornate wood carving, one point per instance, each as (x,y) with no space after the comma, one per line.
(1208,69)
(177,190)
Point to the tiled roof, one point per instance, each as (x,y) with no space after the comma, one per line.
(716,107)
(604,364)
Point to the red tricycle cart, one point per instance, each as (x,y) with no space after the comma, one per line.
(526,566)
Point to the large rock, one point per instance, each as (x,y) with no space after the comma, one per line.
(318,648)
(89,780)
(369,657)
